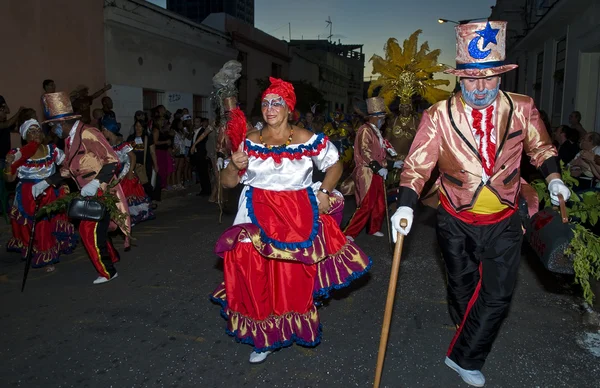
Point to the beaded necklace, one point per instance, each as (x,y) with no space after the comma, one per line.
(287,143)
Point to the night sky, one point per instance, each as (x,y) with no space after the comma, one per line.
(369,23)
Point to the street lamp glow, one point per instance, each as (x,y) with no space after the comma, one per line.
(442,21)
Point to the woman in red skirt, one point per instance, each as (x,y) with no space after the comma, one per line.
(285,251)
(35,165)
(137,200)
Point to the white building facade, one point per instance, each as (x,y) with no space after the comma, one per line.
(156,57)
(556,44)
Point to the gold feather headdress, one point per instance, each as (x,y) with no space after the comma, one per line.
(406,71)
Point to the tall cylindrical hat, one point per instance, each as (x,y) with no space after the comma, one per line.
(481,50)
(376,106)
(57,107)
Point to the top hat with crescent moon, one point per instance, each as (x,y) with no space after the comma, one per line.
(481,50)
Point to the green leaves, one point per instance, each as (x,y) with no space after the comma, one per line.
(585,245)
(60,205)
(585,250)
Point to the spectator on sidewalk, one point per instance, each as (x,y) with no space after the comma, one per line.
(97,115)
(7,125)
(82,102)
(200,153)
(188,134)
(107,106)
(575,121)
(162,142)
(145,155)
(49,86)
(568,143)
(178,153)
(583,167)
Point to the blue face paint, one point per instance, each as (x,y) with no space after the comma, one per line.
(380,123)
(57,128)
(469,97)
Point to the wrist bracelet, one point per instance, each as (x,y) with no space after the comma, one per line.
(324,191)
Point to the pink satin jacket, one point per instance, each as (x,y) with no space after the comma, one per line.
(444,138)
(367,148)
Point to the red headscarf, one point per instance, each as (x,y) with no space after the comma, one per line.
(283,89)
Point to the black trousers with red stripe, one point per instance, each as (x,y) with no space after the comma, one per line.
(482,263)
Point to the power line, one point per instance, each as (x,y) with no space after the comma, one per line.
(278,28)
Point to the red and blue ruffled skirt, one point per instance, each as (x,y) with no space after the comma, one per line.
(280,266)
(137,200)
(54,235)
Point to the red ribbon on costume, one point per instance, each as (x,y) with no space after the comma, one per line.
(283,89)
(27,152)
(487,149)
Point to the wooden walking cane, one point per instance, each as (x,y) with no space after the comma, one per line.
(389,304)
(563,209)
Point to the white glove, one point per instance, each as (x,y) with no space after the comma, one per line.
(219,164)
(91,188)
(383,173)
(402,212)
(39,188)
(125,170)
(556,187)
(398,164)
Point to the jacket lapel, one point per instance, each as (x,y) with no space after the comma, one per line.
(504,110)
(460,124)
(75,143)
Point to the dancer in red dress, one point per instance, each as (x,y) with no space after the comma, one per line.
(285,251)
(36,165)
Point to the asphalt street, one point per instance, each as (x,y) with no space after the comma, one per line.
(154,325)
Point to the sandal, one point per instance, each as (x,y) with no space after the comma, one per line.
(50,268)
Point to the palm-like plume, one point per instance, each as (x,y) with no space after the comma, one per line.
(405,71)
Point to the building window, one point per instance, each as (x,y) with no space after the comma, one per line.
(537,86)
(559,73)
(152,98)
(201,106)
(276,70)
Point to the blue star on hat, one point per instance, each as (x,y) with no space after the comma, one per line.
(488,34)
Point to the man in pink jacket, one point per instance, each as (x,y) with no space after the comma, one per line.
(476,138)
(92,163)
(370,171)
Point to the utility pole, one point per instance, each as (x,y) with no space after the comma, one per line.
(290,25)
